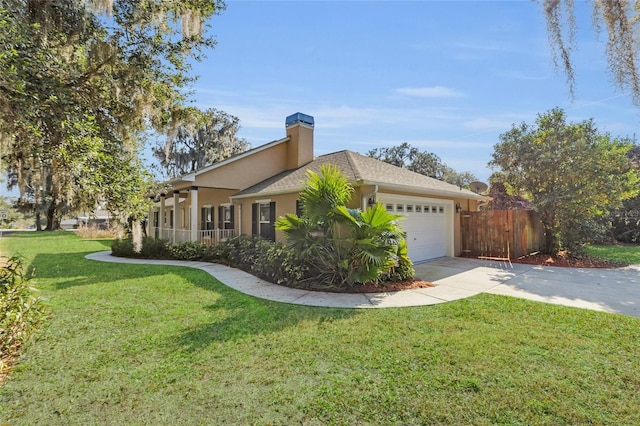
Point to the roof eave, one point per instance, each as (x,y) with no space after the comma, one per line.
(428,191)
(266,194)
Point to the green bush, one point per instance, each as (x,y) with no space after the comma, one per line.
(189,250)
(153,248)
(281,264)
(123,247)
(274,262)
(21,312)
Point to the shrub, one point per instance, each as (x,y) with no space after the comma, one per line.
(21,312)
(281,264)
(274,262)
(190,250)
(123,247)
(153,248)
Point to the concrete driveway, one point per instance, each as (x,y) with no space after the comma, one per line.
(609,290)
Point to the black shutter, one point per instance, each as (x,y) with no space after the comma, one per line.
(233,218)
(272,221)
(220,217)
(298,208)
(203,218)
(254,218)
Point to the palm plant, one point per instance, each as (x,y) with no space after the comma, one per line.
(342,245)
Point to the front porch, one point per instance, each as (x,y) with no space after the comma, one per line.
(194,214)
(209,237)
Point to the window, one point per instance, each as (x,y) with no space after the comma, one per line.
(263,217)
(409,208)
(399,208)
(389,207)
(418,209)
(206,218)
(170,218)
(434,209)
(441,209)
(225,217)
(156,219)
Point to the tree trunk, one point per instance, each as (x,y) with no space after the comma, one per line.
(51,217)
(38,226)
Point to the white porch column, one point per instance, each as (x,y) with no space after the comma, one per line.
(161,218)
(193,220)
(176,212)
(149,226)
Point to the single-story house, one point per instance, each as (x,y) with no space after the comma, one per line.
(245,194)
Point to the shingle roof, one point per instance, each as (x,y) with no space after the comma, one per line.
(360,170)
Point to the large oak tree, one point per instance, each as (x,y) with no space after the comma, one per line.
(80,81)
(206,138)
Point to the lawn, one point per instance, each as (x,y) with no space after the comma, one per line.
(134,344)
(628,254)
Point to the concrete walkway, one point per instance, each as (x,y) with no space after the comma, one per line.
(609,290)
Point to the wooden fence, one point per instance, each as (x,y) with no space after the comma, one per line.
(501,234)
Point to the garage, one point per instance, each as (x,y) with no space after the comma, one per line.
(428,224)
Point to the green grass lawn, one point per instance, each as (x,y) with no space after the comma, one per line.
(140,345)
(629,254)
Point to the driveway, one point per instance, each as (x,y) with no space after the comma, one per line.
(609,290)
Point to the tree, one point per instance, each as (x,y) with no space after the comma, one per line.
(84,79)
(500,197)
(425,163)
(341,245)
(620,18)
(206,138)
(572,173)
(625,221)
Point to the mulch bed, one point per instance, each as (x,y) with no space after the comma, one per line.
(385,287)
(567,259)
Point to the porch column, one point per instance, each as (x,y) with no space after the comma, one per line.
(149,226)
(161,218)
(176,210)
(193,220)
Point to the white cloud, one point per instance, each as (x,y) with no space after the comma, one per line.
(430,92)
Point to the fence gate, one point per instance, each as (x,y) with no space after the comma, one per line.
(501,234)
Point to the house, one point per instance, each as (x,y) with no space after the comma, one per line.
(246,193)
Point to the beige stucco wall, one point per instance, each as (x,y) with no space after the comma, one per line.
(299,145)
(246,171)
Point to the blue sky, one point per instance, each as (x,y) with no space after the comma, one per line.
(446,76)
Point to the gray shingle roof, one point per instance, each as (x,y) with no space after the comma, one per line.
(360,170)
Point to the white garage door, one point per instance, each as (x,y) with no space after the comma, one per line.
(428,230)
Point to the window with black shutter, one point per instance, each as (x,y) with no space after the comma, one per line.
(263,218)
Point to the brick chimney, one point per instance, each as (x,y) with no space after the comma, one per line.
(300,145)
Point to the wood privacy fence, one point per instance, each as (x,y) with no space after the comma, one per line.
(501,234)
